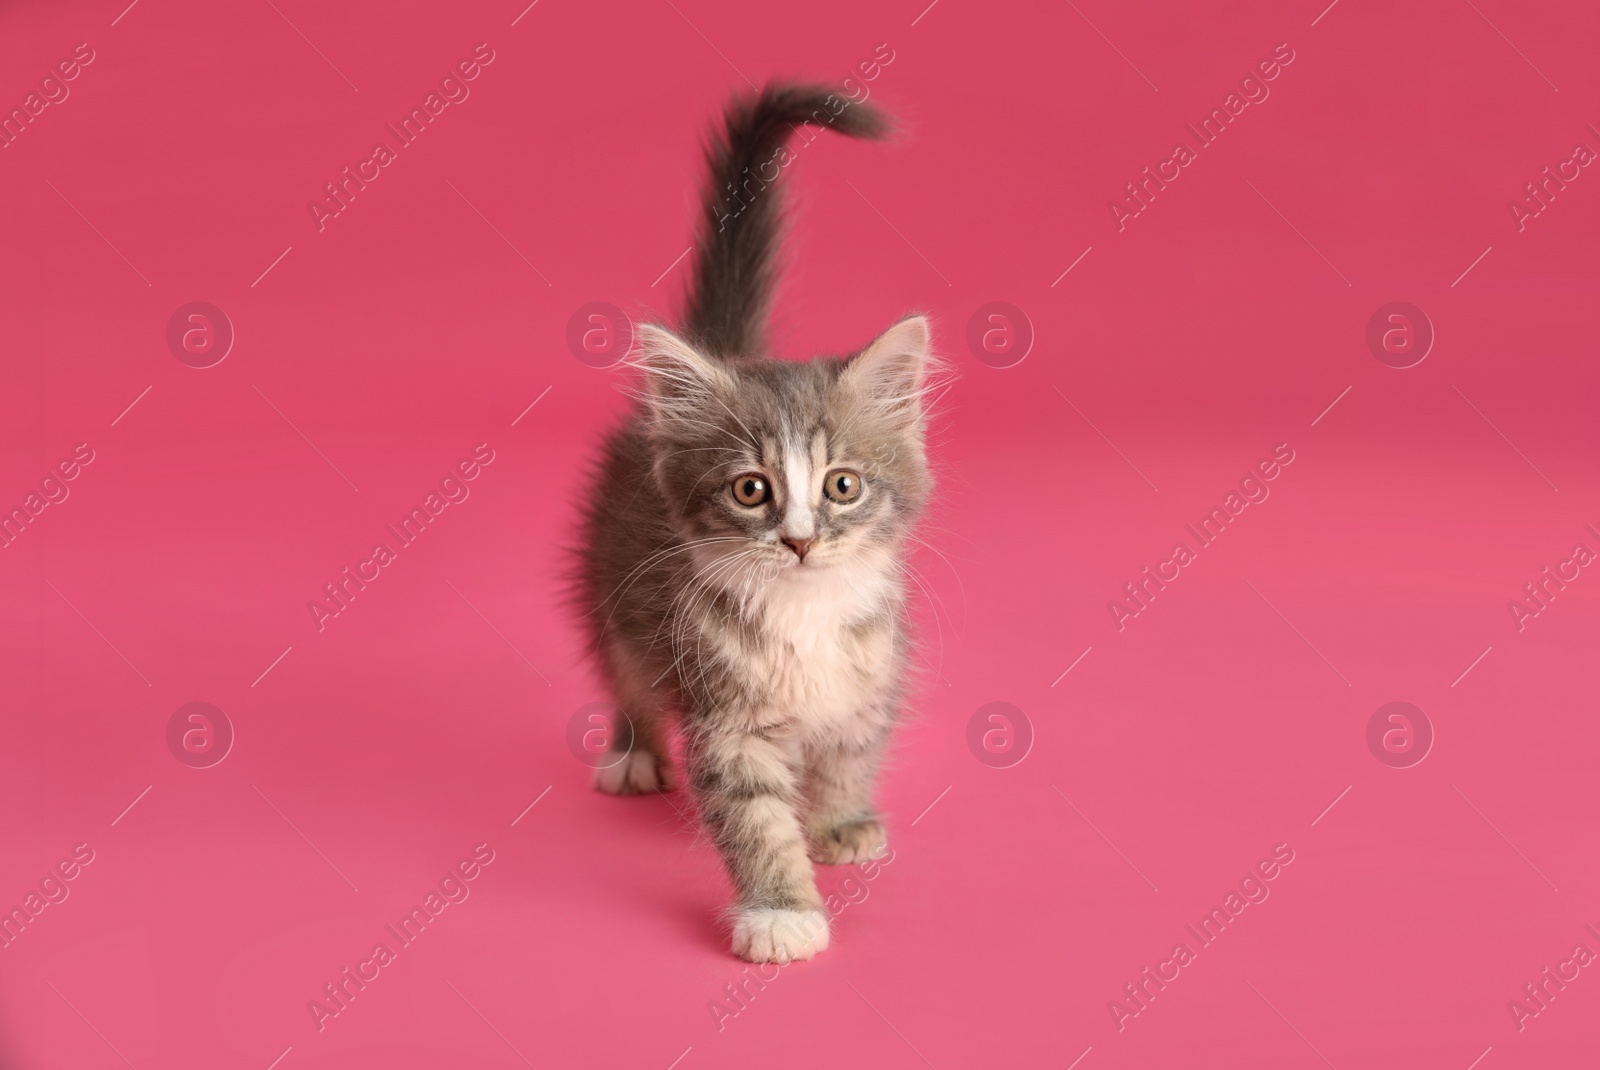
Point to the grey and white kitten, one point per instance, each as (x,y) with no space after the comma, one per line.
(741,559)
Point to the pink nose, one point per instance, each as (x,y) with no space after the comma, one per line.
(799,546)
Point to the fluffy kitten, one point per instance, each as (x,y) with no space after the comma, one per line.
(741,555)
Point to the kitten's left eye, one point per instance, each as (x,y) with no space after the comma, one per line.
(842,485)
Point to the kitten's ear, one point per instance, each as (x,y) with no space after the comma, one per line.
(891,375)
(678,379)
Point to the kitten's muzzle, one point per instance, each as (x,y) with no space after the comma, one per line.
(800,546)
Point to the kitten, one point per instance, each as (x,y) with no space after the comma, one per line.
(741,554)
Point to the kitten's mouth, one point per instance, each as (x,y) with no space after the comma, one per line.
(811,562)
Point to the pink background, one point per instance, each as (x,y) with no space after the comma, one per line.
(1222,721)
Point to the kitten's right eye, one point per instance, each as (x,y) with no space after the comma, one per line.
(751,490)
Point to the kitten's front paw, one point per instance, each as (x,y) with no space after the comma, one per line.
(638,772)
(857,841)
(765,934)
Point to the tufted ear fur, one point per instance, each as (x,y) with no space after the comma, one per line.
(890,378)
(679,381)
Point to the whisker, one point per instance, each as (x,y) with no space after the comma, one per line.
(936,552)
(655,558)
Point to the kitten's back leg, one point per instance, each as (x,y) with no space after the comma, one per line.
(638,759)
(842,824)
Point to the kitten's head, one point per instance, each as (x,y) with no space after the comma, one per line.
(792,466)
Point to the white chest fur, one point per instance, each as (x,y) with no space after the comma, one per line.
(826,652)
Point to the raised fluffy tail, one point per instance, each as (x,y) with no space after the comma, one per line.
(738,234)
